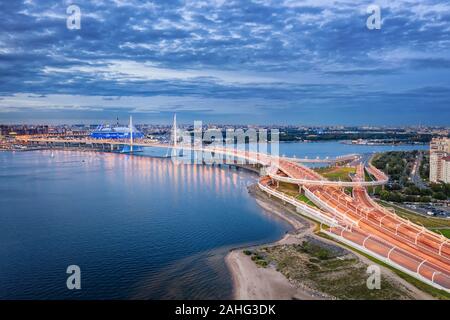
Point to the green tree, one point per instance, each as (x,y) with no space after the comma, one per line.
(439,195)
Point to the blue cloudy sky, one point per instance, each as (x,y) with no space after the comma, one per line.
(226,61)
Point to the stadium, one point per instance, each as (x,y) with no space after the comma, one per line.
(116,132)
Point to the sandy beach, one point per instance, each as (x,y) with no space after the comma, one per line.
(254,283)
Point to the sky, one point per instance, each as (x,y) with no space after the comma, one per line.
(309,62)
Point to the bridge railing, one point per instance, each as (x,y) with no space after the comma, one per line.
(301,181)
(322,204)
(304,208)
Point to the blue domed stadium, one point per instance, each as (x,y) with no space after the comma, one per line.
(116,132)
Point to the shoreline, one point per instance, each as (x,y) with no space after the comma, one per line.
(251,282)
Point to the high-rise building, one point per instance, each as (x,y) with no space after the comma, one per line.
(446,169)
(440,160)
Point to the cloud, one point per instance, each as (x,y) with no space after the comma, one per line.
(265,54)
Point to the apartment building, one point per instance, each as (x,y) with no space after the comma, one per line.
(440,160)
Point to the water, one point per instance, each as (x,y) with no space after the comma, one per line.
(317,149)
(335,148)
(138,227)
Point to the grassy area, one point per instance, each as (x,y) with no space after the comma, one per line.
(328,269)
(257,258)
(348,190)
(336,173)
(304,199)
(428,222)
(288,188)
(445,232)
(293,190)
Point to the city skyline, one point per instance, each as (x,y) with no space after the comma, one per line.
(261,62)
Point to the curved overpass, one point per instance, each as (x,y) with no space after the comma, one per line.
(314,182)
(280,164)
(311,178)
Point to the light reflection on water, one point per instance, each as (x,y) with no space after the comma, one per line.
(138,227)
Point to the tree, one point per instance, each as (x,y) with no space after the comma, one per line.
(439,195)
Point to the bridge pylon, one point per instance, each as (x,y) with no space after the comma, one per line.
(174,138)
